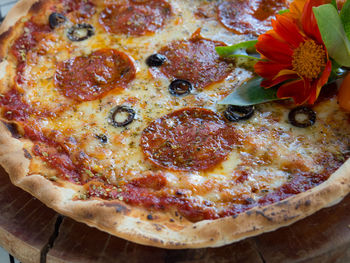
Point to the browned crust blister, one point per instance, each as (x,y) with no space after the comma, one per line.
(132,223)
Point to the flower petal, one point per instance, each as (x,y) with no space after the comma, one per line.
(296,9)
(268,69)
(299,90)
(283,75)
(318,84)
(274,49)
(313,92)
(286,72)
(308,19)
(287,29)
(273,82)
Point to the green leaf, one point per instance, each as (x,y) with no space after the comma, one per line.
(250,93)
(243,49)
(283,11)
(336,73)
(345,17)
(333,34)
(334,3)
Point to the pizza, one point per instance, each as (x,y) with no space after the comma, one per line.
(110,115)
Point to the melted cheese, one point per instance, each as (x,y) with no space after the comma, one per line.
(272,149)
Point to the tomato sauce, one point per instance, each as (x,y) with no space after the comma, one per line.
(135,18)
(79,10)
(149,191)
(249,17)
(33,33)
(14,107)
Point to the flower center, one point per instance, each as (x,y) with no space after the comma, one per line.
(309,59)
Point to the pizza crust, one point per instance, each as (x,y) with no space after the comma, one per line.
(132,224)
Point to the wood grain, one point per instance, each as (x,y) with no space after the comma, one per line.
(324,236)
(27,230)
(25,223)
(76,239)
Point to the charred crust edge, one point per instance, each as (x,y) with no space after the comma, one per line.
(264,215)
(27,154)
(13,129)
(149,217)
(36,7)
(4,35)
(119,208)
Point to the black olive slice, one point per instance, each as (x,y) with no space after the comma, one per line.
(80,32)
(155,60)
(55,19)
(121,116)
(302,117)
(103,138)
(236,113)
(180,87)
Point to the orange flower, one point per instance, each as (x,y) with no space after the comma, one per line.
(294,55)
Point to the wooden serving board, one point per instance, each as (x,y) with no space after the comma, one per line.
(34,233)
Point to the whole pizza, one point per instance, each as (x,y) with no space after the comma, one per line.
(176,123)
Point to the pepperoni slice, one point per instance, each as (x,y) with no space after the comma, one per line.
(89,77)
(190,139)
(135,17)
(28,40)
(79,9)
(249,17)
(195,60)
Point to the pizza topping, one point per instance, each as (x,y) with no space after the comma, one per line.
(135,17)
(32,34)
(195,60)
(155,181)
(249,17)
(14,106)
(180,87)
(89,77)
(155,60)
(302,117)
(102,138)
(80,32)
(299,183)
(59,160)
(56,19)
(121,116)
(150,191)
(236,113)
(79,10)
(190,139)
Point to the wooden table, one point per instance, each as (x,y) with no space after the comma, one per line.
(34,233)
